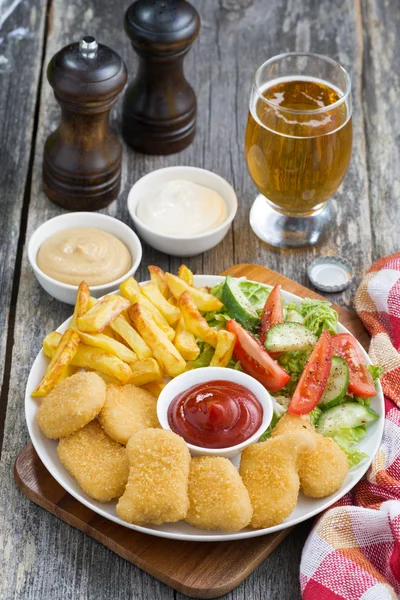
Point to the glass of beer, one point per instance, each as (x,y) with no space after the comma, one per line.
(298,146)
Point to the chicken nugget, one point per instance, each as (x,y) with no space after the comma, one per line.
(218,498)
(99,464)
(269,472)
(71,404)
(127,410)
(289,422)
(156,491)
(323,470)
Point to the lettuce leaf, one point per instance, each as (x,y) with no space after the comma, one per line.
(217,290)
(293,363)
(318,315)
(256,293)
(376,372)
(346,438)
(205,356)
(315,415)
(217,320)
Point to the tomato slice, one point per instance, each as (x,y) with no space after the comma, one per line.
(313,380)
(272,313)
(361,382)
(255,360)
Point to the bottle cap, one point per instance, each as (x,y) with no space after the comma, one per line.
(330,273)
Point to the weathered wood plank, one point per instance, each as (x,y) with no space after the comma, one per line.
(42,555)
(21,38)
(381,23)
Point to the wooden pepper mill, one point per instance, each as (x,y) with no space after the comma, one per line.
(82,158)
(159,112)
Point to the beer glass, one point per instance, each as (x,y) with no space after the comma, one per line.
(298,146)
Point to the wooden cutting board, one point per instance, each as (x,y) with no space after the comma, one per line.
(198,569)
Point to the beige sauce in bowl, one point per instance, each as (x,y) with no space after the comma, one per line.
(78,254)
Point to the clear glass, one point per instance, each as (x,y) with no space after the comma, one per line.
(298,146)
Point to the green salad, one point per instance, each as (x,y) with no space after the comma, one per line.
(296,352)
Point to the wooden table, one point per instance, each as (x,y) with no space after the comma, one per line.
(41,557)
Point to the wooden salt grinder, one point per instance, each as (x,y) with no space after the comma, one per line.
(82,158)
(159,112)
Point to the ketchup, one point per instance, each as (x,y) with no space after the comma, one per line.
(216,414)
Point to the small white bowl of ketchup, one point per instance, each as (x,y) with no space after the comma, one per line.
(217,411)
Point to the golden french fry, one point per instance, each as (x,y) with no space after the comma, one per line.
(102,314)
(157,277)
(164,351)
(81,304)
(224,349)
(186,274)
(130,289)
(107,379)
(109,344)
(93,359)
(92,301)
(155,387)
(184,342)
(145,371)
(204,301)
(153,294)
(194,322)
(63,355)
(121,326)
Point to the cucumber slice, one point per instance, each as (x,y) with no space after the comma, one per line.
(237,305)
(337,384)
(345,416)
(293,316)
(288,337)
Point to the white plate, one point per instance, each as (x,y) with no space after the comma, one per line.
(306,507)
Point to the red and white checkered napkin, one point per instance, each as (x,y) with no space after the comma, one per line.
(353,551)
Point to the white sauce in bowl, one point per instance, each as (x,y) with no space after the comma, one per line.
(182,208)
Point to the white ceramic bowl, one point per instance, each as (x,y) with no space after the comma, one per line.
(190,378)
(66,292)
(181,245)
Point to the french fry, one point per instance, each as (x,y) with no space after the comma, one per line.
(155,387)
(164,351)
(81,304)
(102,314)
(64,353)
(153,294)
(121,326)
(130,289)
(93,359)
(186,274)
(184,342)
(224,349)
(109,344)
(194,322)
(157,277)
(145,371)
(204,301)
(92,301)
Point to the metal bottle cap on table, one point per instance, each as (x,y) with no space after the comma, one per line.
(330,273)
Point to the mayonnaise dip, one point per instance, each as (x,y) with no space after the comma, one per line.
(182,208)
(84,254)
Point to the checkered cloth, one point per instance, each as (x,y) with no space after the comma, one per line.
(353,551)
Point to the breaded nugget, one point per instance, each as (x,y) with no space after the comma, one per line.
(156,491)
(218,498)
(71,404)
(99,464)
(127,410)
(323,470)
(269,472)
(289,422)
